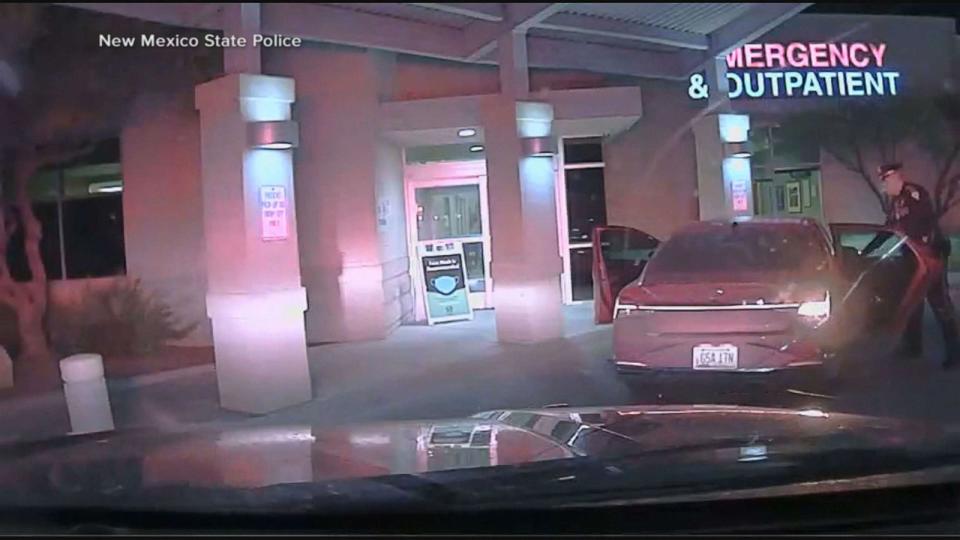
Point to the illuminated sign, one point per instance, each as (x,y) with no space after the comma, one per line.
(273,213)
(736,173)
(765,70)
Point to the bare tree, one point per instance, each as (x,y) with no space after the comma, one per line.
(61,92)
(860,135)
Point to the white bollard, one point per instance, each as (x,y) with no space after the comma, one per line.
(86,391)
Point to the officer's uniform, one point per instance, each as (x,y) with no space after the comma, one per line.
(911,212)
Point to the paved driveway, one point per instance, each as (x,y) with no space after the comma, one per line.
(460,369)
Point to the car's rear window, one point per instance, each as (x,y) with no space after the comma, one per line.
(748,248)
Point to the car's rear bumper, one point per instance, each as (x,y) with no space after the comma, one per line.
(765,341)
(629,367)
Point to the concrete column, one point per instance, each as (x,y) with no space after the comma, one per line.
(350,194)
(711,193)
(241,19)
(724,186)
(254,297)
(525,262)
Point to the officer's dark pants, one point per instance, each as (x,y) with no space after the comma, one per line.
(938,295)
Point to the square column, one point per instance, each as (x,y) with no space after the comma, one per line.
(521,183)
(724,185)
(254,297)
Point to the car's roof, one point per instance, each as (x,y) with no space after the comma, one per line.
(752,223)
(763,221)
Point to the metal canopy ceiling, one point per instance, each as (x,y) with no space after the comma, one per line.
(666,40)
(697,18)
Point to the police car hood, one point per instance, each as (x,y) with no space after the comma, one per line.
(494,458)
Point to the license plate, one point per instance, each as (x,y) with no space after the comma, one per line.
(715,357)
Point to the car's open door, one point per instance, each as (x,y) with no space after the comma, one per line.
(887,283)
(619,256)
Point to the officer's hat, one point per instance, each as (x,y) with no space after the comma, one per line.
(887,168)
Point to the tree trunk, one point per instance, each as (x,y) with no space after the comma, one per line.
(28,299)
(33,337)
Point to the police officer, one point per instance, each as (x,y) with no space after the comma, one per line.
(911,212)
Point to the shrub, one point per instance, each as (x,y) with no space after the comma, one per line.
(122,319)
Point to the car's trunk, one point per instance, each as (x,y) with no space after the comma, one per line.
(760,318)
(747,306)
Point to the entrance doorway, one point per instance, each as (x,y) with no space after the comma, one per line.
(448,201)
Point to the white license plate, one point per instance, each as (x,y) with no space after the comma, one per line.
(715,357)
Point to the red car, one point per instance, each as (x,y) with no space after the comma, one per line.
(754,295)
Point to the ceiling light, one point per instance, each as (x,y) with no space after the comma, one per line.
(280,135)
(112,186)
(539,146)
(738,149)
(476,148)
(466,132)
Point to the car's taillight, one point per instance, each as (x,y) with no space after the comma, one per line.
(818,310)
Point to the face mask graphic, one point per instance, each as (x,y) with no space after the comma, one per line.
(445,284)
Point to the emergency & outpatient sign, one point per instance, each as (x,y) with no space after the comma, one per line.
(799,69)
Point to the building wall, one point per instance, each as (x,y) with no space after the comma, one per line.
(423,78)
(651,169)
(336,170)
(392,232)
(163,209)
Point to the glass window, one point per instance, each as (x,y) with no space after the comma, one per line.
(581,270)
(586,202)
(892,245)
(881,276)
(621,244)
(448,212)
(84,200)
(473,255)
(93,237)
(587,150)
(793,152)
(743,247)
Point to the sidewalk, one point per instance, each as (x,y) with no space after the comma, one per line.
(40,378)
(419,372)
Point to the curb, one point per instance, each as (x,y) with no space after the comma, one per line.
(55,397)
(161,376)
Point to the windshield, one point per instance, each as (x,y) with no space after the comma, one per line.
(347,257)
(742,248)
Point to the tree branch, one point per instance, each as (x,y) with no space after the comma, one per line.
(942,182)
(950,200)
(861,168)
(26,166)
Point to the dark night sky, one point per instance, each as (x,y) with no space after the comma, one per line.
(947,9)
